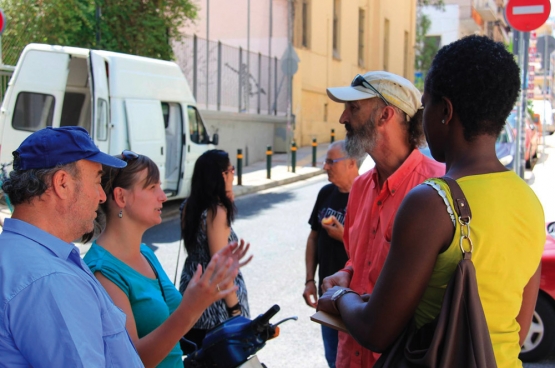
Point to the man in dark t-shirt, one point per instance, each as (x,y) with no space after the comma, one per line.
(324,248)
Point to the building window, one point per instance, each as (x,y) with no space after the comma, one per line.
(406,58)
(326,112)
(361,25)
(305,23)
(336,27)
(386,45)
(302,24)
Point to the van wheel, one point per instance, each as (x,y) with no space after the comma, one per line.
(540,341)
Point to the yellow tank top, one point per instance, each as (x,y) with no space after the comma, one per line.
(508,233)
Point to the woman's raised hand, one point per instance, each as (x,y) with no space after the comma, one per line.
(236,252)
(214,284)
(217,281)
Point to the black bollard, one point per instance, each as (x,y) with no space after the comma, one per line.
(293,156)
(332,138)
(239,166)
(269,162)
(314,147)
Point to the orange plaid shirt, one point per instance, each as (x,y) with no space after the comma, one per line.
(368,228)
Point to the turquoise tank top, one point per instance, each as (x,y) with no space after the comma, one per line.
(149,307)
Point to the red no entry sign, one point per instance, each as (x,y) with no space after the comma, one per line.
(2,21)
(527,15)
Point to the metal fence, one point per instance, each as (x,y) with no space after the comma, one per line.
(5,75)
(228,78)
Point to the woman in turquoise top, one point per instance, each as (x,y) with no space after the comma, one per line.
(157,315)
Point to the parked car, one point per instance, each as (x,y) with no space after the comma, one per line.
(531,138)
(505,147)
(542,107)
(540,341)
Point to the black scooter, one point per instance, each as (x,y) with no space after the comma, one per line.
(234,343)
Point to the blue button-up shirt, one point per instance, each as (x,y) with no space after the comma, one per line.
(53,311)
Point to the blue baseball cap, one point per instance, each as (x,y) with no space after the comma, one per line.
(50,147)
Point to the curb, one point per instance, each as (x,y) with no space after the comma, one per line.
(242,190)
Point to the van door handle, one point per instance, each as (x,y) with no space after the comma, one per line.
(189,148)
(162,150)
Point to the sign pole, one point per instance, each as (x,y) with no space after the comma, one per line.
(519,109)
(524,97)
(2,26)
(545,72)
(524,16)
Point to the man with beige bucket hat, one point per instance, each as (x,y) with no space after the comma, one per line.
(383,117)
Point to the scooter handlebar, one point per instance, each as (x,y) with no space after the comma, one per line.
(264,319)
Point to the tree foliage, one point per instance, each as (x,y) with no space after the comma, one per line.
(140,27)
(426,47)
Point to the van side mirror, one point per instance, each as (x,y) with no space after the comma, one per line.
(215,139)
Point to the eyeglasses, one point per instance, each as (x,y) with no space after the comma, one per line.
(231,169)
(359,80)
(330,162)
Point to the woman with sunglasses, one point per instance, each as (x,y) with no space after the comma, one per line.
(157,314)
(206,228)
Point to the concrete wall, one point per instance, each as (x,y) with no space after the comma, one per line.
(251,133)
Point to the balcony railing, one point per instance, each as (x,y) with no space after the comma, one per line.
(487,9)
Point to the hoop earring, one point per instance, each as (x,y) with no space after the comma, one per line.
(120,214)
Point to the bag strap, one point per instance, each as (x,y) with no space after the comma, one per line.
(461,204)
(463,211)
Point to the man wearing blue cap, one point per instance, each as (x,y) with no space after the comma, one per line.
(54,313)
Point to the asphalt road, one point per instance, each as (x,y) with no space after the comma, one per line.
(275,223)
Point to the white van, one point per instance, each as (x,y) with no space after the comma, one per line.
(124,101)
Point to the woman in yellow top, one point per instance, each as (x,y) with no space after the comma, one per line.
(469,91)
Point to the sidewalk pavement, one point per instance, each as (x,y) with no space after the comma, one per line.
(254,176)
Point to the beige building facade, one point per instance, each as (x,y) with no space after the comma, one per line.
(334,40)
(338,39)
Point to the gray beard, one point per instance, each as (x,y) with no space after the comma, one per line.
(362,140)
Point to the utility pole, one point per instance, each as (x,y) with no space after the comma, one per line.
(97,15)
(248,76)
(207,47)
(289,82)
(270,60)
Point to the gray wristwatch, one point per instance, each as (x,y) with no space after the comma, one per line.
(338,294)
